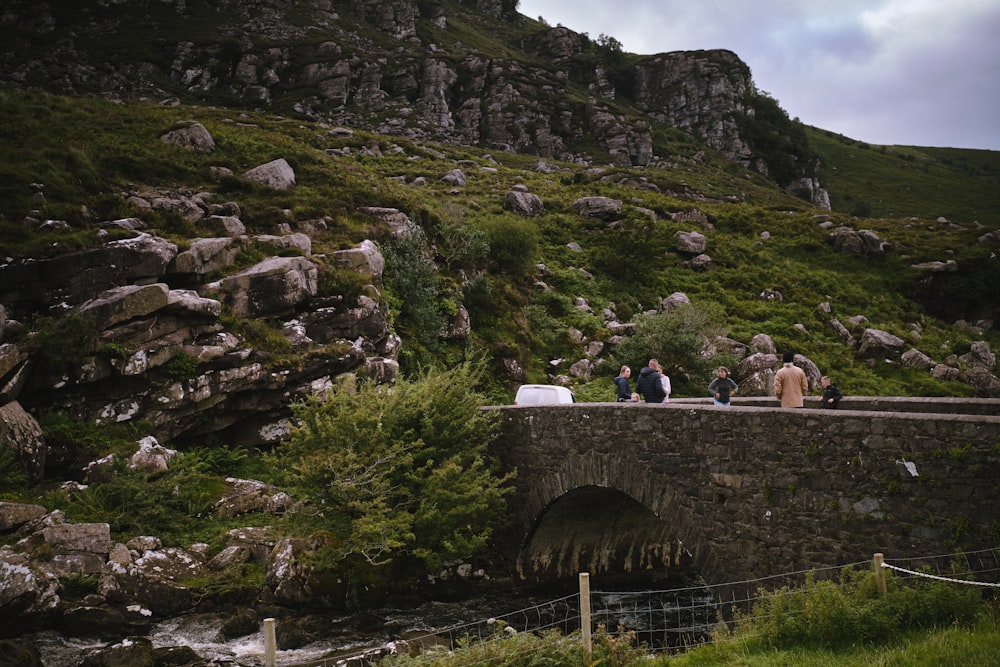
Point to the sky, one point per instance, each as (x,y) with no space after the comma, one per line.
(892,72)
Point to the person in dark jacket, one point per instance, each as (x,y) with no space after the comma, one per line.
(722,388)
(831,395)
(624,392)
(649,385)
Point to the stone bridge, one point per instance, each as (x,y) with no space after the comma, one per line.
(751,491)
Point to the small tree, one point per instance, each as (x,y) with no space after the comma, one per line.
(676,339)
(400,470)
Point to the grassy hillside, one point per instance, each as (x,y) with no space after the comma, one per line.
(961,185)
(88,155)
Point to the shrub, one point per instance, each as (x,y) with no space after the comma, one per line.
(828,615)
(513,244)
(411,281)
(62,343)
(676,339)
(399,471)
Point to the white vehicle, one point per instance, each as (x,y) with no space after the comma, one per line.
(543,394)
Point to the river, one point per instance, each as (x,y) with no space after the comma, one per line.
(662,619)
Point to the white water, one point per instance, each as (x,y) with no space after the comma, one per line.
(201,632)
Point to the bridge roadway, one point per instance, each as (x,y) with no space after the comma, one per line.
(751,491)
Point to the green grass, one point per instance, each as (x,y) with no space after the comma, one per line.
(962,185)
(87,152)
(979,645)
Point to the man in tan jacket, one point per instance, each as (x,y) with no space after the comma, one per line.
(790,383)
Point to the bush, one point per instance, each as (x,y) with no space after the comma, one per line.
(676,339)
(828,615)
(400,470)
(513,245)
(411,281)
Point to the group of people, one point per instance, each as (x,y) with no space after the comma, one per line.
(653,385)
(790,386)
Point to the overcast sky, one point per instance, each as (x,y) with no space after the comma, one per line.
(907,72)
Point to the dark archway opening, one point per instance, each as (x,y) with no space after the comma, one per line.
(607,533)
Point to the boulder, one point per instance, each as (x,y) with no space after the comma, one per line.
(813,374)
(722,346)
(397,222)
(936,266)
(691,243)
(206,255)
(762,343)
(247,495)
(121,304)
(524,203)
(864,242)
(276,174)
(945,372)
(455,177)
(152,457)
(259,541)
(224,225)
(21,434)
(35,284)
(297,241)
(755,374)
(878,343)
(134,652)
(102,621)
(27,595)
(984,382)
(914,358)
(365,259)
(192,136)
(980,356)
(155,579)
(230,557)
(364,319)
(602,208)
(15,515)
(842,332)
(674,301)
(271,287)
(701,262)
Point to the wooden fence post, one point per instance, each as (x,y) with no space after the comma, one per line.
(879,573)
(270,648)
(585,613)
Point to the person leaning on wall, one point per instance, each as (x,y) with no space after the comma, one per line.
(831,395)
(790,383)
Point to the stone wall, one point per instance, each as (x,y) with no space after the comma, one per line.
(743,492)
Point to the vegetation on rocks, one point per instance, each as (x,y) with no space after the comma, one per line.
(396,472)
(387,476)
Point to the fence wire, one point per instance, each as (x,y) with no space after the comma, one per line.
(677,619)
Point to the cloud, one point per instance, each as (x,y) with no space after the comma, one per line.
(915,72)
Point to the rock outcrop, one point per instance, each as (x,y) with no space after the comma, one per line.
(526,104)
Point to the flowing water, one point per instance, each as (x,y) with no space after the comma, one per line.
(661,619)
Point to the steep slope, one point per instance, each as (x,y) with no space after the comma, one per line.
(458,72)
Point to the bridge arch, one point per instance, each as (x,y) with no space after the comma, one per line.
(603,531)
(749,491)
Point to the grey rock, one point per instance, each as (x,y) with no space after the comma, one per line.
(276,174)
(878,343)
(192,136)
(524,203)
(602,208)
(21,435)
(692,243)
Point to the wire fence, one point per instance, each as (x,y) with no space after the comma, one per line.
(681,618)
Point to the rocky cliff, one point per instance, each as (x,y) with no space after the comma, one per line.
(400,67)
